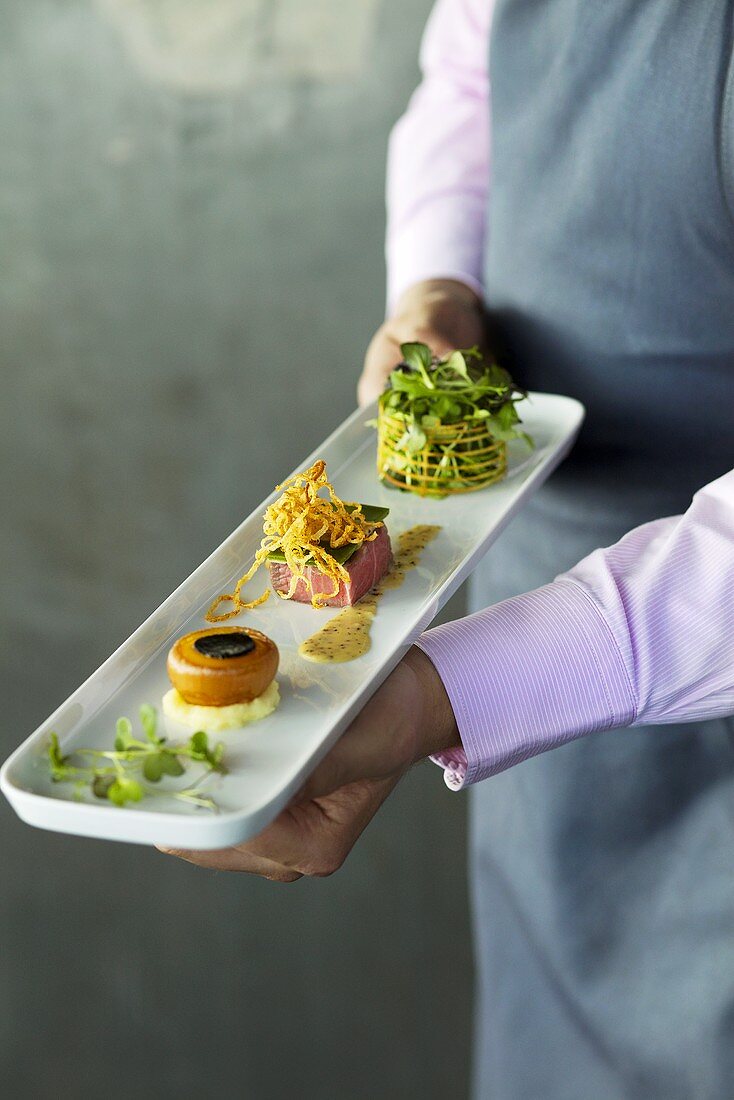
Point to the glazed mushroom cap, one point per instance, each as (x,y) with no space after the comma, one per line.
(209,680)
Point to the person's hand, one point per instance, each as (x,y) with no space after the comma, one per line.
(442,313)
(408,718)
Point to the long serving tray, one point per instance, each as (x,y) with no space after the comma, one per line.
(269,760)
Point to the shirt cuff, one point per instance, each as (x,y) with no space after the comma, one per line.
(527,675)
(453,763)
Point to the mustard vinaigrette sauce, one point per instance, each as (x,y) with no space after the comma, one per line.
(347,635)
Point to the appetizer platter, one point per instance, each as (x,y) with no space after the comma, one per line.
(207,720)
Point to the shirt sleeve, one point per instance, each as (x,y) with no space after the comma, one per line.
(438,157)
(638,633)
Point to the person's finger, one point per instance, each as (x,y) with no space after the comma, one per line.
(382,354)
(442,321)
(312,839)
(316,836)
(363,752)
(381,741)
(315,833)
(235,859)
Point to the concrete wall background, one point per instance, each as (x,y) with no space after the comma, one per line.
(191,246)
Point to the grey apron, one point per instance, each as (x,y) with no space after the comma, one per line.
(603,872)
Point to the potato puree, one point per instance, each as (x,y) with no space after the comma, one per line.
(216,719)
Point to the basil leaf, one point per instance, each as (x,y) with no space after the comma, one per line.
(373,513)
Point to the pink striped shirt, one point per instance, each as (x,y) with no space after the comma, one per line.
(641,632)
(438,161)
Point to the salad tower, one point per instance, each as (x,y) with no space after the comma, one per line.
(443,424)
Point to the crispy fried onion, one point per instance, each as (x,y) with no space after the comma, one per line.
(305,526)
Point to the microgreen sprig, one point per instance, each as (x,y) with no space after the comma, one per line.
(430,392)
(124,774)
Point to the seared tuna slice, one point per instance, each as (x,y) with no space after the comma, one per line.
(365,568)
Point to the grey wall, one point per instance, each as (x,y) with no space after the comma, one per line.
(190,244)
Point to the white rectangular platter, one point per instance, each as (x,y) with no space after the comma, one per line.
(269,760)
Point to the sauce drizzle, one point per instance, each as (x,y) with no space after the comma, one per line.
(347,635)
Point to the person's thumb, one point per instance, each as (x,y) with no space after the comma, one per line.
(380,742)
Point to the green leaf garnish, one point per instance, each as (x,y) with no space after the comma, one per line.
(124,734)
(200,750)
(124,790)
(417,356)
(373,513)
(153,767)
(120,775)
(56,759)
(199,743)
(457,363)
(101,785)
(171,765)
(149,722)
